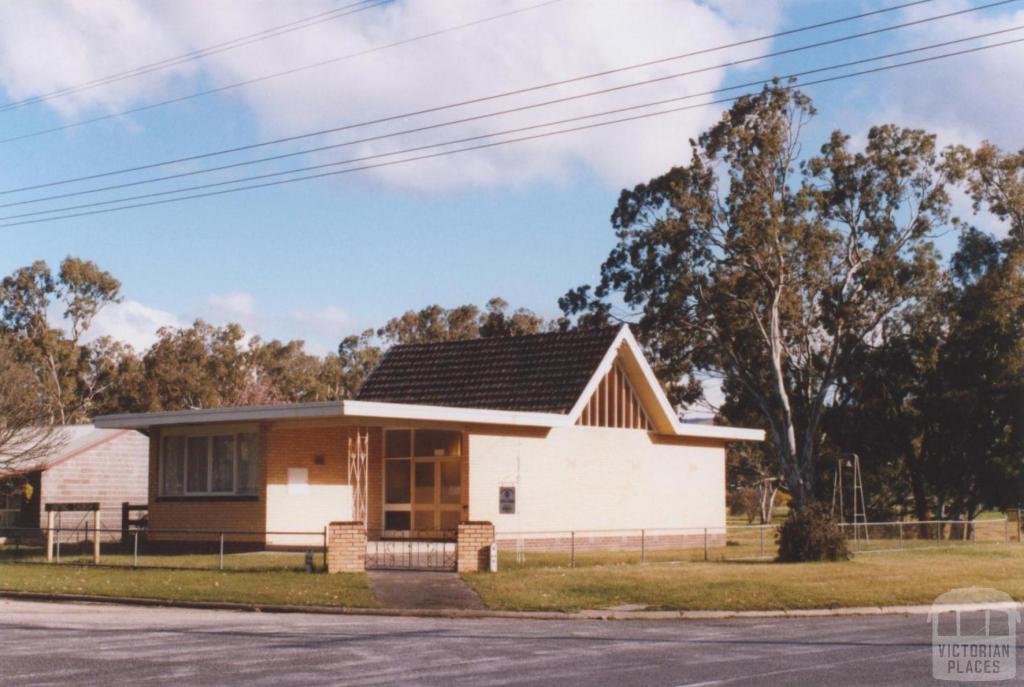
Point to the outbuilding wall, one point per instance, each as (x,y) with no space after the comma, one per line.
(111,471)
(595,478)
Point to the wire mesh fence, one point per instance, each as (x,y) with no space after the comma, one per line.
(270,551)
(186,549)
(577,548)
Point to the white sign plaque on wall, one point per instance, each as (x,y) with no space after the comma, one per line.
(298,480)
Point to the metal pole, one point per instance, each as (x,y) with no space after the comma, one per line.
(49,536)
(762,540)
(1006,531)
(705,543)
(643,547)
(221,550)
(900,526)
(96,522)
(325,547)
(135,550)
(572,549)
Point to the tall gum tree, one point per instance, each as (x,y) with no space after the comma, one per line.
(753,263)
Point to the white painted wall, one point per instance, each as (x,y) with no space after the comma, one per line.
(292,508)
(591,478)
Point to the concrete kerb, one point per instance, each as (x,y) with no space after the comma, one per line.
(471,614)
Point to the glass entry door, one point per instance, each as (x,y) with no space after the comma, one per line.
(422,482)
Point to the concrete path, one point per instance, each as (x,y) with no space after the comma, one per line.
(102,644)
(419,590)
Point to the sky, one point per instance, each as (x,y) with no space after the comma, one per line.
(321,259)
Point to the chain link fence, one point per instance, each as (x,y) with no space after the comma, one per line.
(576,548)
(185,549)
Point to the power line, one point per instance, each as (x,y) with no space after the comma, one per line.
(478,100)
(197,54)
(488,115)
(531,137)
(274,75)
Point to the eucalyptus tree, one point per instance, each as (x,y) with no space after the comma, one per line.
(770,268)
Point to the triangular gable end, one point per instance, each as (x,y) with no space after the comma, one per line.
(624,393)
(615,404)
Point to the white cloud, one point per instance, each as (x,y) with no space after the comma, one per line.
(237,304)
(132,322)
(329,320)
(565,39)
(964,99)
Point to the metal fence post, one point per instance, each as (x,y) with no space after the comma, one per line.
(325,547)
(221,550)
(572,549)
(705,544)
(135,550)
(762,540)
(899,525)
(1006,530)
(643,546)
(126,515)
(49,536)
(97,524)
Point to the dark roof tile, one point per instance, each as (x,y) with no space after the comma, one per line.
(539,373)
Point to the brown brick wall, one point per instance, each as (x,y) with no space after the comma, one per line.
(346,547)
(297,447)
(475,539)
(209,515)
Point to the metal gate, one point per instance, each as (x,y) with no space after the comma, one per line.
(438,552)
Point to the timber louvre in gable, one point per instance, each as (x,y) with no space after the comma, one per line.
(615,404)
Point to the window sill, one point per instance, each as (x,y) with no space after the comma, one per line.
(211,497)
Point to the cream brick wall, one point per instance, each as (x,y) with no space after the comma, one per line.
(590,478)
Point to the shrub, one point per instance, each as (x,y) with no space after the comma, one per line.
(810,534)
(745,501)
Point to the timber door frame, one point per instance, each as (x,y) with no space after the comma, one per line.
(420,466)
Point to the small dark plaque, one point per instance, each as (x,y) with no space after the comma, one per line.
(506,500)
(72,507)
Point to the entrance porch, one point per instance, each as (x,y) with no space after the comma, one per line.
(409,483)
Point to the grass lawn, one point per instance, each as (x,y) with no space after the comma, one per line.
(281,587)
(873,579)
(256,561)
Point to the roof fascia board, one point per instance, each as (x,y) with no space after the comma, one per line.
(350,409)
(241,414)
(668,413)
(595,379)
(408,411)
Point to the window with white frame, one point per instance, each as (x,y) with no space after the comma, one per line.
(214,464)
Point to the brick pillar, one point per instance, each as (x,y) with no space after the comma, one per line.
(346,547)
(475,539)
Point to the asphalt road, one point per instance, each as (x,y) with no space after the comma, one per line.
(101,644)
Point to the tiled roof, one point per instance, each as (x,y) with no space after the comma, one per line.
(539,373)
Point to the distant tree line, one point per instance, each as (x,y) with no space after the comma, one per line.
(56,375)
